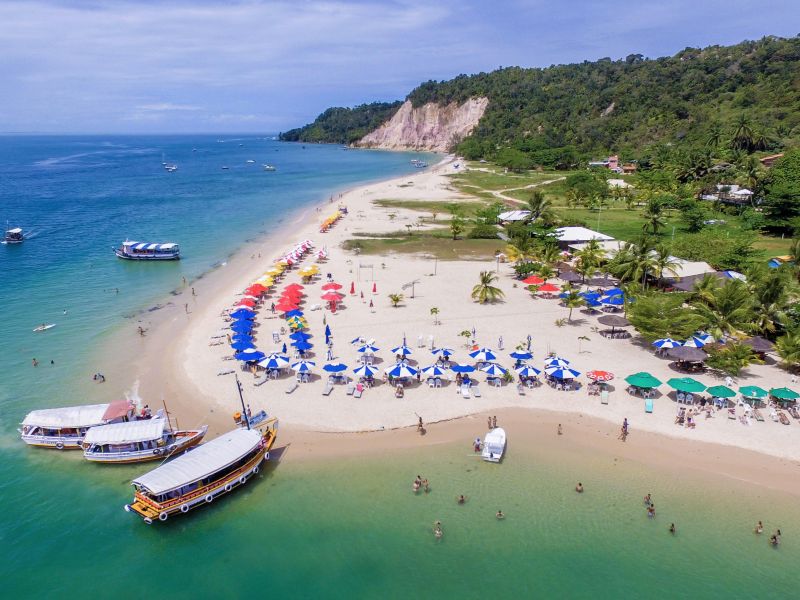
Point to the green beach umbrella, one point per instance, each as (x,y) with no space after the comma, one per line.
(753,391)
(784,394)
(686,384)
(643,380)
(721,391)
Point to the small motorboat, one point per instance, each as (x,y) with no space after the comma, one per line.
(494,445)
(269,168)
(13,235)
(43,327)
(250,161)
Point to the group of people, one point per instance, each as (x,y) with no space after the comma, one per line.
(491,422)
(420,483)
(774,539)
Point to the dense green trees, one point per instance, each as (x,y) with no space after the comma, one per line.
(782,193)
(343,125)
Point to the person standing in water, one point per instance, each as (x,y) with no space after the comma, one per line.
(759,529)
(672,528)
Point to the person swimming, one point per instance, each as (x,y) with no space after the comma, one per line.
(499,514)
(461,499)
(672,528)
(579,488)
(437,530)
(774,540)
(648,499)
(651,511)
(759,529)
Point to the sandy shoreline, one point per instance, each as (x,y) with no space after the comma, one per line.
(175,361)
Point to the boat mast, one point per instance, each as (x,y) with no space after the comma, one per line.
(241,399)
(166,412)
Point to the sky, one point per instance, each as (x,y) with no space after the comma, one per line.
(194,66)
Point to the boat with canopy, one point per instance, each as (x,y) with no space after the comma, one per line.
(147,251)
(494,445)
(65,428)
(138,441)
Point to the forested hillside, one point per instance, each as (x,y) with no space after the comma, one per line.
(343,125)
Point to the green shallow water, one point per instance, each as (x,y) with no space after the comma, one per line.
(353,528)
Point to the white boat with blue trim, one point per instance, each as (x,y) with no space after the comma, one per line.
(138,441)
(65,428)
(494,445)
(147,251)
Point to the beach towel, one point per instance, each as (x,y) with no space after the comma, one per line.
(357,393)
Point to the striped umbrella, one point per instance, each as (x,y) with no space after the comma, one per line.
(303,366)
(401,370)
(365,371)
(274,361)
(434,371)
(368,349)
(494,370)
(562,372)
(483,355)
(695,342)
(666,343)
(556,361)
(527,371)
(402,350)
(442,351)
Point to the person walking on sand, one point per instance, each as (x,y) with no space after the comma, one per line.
(420,427)
(623,434)
(193,294)
(477,445)
(559,429)
(489,422)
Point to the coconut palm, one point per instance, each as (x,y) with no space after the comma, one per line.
(788,348)
(729,310)
(539,205)
(589,258)
(663,262)
(633,262)
(705,287)
(770,291)
(484,291)
(435,314)
(653,216)
(743,137)
(714,138)
(572,301)
(548,254)
(395,299)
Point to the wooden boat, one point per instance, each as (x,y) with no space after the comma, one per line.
(147,251)
(138,441)
(202,474)
(494,445)
(65,428)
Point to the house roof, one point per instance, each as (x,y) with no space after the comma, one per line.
(580,234)
(514,215)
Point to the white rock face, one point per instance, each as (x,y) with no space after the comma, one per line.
(428,127)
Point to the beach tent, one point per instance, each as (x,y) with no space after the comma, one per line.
(643,379)
(686,384)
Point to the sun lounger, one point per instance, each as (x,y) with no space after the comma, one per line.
(783,418)
(521,389)
(648,405)
(261,380)
(228,372)
(350,389)
(604,397)
(793,412)
(292,387)
(328,389)
(732,413)
(465,391)
(476,391)
(357,393)
(757,414)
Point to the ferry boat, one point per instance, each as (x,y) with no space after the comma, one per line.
(138,441)
(147,251)
(13,235)
(203,474)
(65,428)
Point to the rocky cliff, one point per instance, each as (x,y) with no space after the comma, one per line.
(427,127)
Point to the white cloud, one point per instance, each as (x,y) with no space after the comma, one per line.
(167,106)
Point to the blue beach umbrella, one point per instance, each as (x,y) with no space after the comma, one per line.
(327,330)
(434,371)
(300,336)
(283,349)
(334,367)
(403,350)
(614,292)
(562,372)
(593,302)
(443,351)
(303,366)
(494,370)
(368,349)
(462,368)
(401,370)
(249,356)
(303,346)
(483,355)
(294,313)
(556,361)
(242,337)
(666,343)
(242,345)
(695,342)
(617,300)
(274,361)
(527,371)
(519,355)
(243,313)
(242,326)
(365,371)
(589,295)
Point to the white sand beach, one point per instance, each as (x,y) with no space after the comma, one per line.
(176,361)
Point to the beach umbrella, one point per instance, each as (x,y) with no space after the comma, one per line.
(600,281)
(527,371)
(599,375)
(243,313)
(246,302)
(401,370)
(242,326)
(302,346)
(686,384)
(332,297)
(613,321)
(616,300)
(643,379)
(334,367)
(548,287)
(570,276)
(784,393)
(615,292)
(721,391)
(443,351)
(352,287)
(242,337)
(402,350)
(301,336)
(483,355)
(556,361)
(494,370)
(274,361)
(285,307)
(760,345)
(520,355)
(303,366)
(295,312)
(296,323)
(589,295)
(695,342)
(293,286)
(593,302)
(666,343)
(255,289)
(687,353)
(249,356)
(242,345)
(365,371)
(368,349)
(434,371)
(462,368)
(332,285)
(327,331)
(562,372)
(753,391)
(533,280)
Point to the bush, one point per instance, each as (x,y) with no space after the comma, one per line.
(483,232)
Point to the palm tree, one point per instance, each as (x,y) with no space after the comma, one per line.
(743,138)
(729,311)
(714,136)
(575,197)
(794,252)
(705,288)
(770,293)
(653,216)
(663,262)
(435,314)
(788,348)
(633,262)
(484,291)
(539,205)
(395,299)
(572,301)
(549,254)
(589,258)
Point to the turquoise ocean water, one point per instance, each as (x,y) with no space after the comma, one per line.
(349,528)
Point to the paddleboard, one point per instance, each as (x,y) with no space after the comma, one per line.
(44,327)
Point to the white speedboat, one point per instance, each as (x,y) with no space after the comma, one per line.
(64,428)
(138,441)
(494,445)
(269,168)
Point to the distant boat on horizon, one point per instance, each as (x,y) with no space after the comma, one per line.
(13,235)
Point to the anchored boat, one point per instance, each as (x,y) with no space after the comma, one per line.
(494,445)
(147,251)
(138,441)
(13,235)
(65,428)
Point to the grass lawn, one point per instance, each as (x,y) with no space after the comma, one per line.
(440,247)
(472,179)
(467,208)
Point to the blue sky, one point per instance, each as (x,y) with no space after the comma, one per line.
(143,66)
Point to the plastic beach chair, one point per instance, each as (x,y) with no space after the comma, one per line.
(648,405)
(357,393)
(292,387)
(476,391)
(604,397)
(328,389)
(465,391)
(350,389)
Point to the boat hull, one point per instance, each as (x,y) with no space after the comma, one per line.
(125,256)
(139,456)
(151,511)
(54,442)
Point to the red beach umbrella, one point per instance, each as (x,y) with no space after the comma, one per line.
(293,286)
(599,375)
(332,286)
(352,287)
(285,307)
(332,297)
(246,302)
(533,280)
(374,288)
(548,287)
(256,289)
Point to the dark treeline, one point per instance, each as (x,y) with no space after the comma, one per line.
(343,125)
